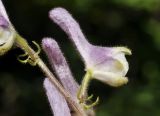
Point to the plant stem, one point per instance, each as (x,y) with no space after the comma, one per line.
(82,94)
(23,44)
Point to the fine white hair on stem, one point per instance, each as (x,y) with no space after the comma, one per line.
(6,43)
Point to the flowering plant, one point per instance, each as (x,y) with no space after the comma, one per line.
(106,64)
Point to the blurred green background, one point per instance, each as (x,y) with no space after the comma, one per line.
(132,23)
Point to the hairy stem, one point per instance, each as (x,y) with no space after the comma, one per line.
(82,94)
(22,43)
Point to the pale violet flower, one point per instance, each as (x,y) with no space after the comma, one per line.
(7,36)
(7,33)
(60,66)
(107,64)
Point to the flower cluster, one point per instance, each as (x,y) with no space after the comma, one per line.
(106,64)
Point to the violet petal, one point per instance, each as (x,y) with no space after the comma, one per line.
(66,22)
(3,11)
(107,61)
(3,22)
(60,66)
(56,100)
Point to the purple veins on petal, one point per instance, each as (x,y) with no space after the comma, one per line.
(60,66)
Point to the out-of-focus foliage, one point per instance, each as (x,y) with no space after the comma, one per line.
(132,23)
(153,28)
(140,4)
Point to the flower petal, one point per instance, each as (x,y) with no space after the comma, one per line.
(125,50)
(60,65)
(57,102)
(7,33)
(70,26)
(110,78)
(3,11)
(7,36)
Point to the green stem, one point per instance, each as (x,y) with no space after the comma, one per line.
(82,94)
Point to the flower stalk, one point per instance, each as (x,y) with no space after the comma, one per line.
(82,93)
(33,57)
(106,64)
(22,43)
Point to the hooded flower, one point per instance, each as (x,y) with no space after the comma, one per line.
(7,33)
(7,36)
(107,64)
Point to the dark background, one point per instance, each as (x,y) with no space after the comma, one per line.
(132,23)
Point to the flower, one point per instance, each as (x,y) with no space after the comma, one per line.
(61,68)
(7,33)
(60,65)
(107,64)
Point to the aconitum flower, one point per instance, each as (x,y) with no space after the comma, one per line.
(64,74)
(7,33)
(107,64)
(61,68)
(60,65)
(7,36)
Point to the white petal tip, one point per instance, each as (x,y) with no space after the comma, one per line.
(111,79)
(126,50)
(121,81)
